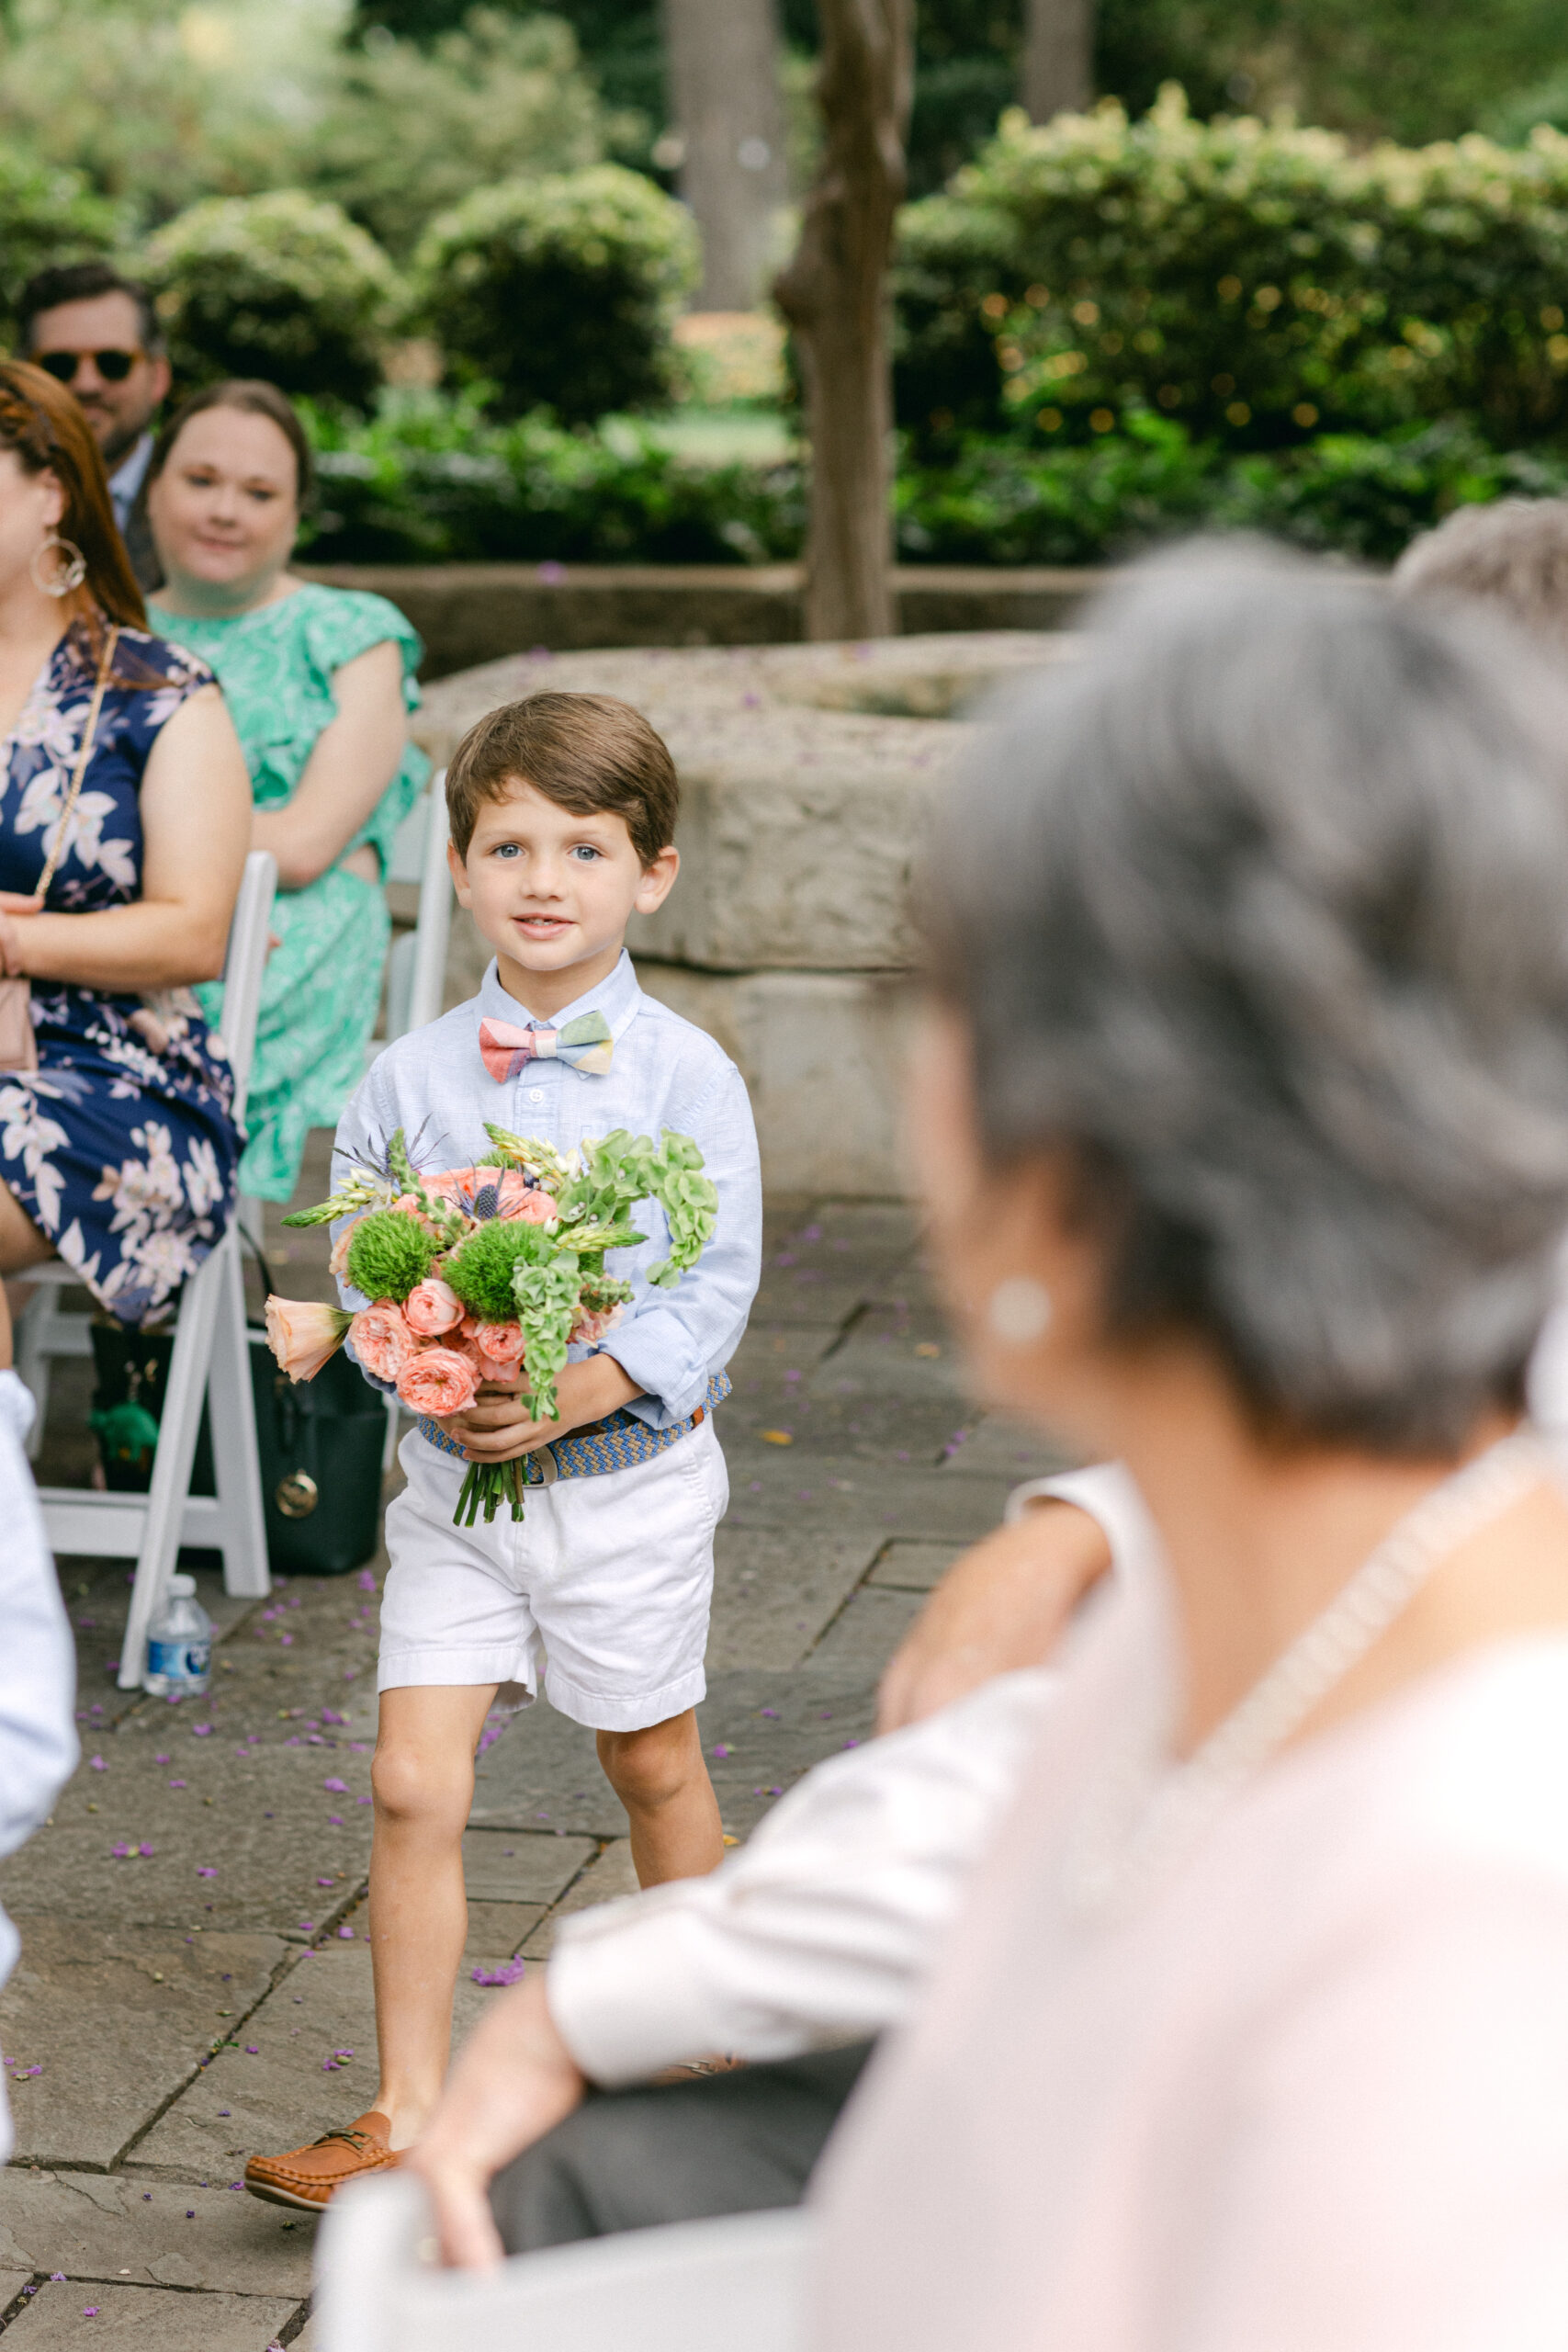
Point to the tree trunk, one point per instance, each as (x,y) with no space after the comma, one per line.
(724,90)
(1058,58)
(834,295)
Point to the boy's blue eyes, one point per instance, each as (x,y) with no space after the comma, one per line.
(513,849)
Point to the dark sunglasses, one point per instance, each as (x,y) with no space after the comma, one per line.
(114,367)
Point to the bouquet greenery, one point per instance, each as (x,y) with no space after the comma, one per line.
(491,1273)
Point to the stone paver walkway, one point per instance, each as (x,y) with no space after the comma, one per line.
(195,1980)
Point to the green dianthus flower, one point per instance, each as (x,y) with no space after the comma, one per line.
(480,1271)
(388,1254)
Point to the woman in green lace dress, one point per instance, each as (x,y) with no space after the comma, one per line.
(320,682)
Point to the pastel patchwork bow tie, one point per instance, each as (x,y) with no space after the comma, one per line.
(585,1043)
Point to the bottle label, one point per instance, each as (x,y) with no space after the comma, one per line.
(183,1660)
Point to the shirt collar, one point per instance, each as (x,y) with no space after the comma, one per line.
(616,997)
(128,476)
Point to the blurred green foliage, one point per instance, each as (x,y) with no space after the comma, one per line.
(280,286)
(47,214)
(1259,283)
(431,479)
(406,133)
(560,291)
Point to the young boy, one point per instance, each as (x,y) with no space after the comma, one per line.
(562,813)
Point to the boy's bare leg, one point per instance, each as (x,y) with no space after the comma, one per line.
(422,1776)
(660,1778)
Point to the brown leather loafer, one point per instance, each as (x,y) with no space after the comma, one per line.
(306,2177)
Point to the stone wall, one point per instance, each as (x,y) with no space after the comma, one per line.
(805,772)
(480,612)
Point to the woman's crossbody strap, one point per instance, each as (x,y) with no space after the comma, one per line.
(52,863)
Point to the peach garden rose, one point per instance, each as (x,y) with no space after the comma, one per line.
(382,1340)
(437,1379)
(433,1307)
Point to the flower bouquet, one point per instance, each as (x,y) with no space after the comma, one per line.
(491,1273)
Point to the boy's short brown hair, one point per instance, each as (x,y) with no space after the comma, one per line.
(1512,554)
(586,753)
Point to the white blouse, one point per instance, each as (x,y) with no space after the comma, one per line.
(1310,2094)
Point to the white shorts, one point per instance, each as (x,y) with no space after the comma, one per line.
(601,1593)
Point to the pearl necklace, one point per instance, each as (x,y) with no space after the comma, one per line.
(1143,1813)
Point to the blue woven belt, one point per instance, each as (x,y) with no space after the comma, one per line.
(615,1443)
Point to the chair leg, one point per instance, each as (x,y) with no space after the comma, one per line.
(189,1370)
(234,1455)
(33,1363)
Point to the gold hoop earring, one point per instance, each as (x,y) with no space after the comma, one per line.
(72,567)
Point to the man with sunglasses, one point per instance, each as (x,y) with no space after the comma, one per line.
(96,331)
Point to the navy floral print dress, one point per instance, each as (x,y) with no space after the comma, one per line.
(121,1145)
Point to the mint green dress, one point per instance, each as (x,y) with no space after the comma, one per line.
(323,987)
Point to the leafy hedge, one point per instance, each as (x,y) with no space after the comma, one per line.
(1260,284)
(431,479)
(562,291)
(47,216)
(281,286)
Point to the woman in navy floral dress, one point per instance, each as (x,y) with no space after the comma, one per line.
(117,1153)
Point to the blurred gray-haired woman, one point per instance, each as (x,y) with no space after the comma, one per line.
(1244,1121)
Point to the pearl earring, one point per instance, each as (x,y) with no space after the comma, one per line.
(1019,1311)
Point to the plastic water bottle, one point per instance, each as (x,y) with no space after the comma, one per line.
(180,1646)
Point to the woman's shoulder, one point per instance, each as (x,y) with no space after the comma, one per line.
(341,622)
(148,664)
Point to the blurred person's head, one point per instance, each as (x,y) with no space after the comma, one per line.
(230,475)
(55,515)
(1512,554)
(97,333)
(1249,944)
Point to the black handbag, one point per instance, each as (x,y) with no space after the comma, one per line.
(320,1442)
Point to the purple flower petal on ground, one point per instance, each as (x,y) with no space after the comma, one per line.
(326,1881)
(161,1759)
(96,1764)
(179,1784)
(512,1974)
(334,1820)
(346,1934)
(144,1848)
(206,1870)
(719,1751)
(201,1731)
(57,2278)
(366,1579)
(771,1713)
(335,1788)
(252,2050)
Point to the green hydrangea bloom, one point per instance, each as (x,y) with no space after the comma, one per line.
(388,1254)
(480,1272)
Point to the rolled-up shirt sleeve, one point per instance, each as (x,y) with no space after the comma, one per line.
(823,1928)
(675,1338)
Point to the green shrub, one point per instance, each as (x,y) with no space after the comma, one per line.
(281,286)
(999,500)
(561,292)
(407,133)
(46,216)
(1260,284)
(431,478)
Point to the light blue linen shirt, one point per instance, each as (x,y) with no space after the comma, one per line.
(665,1073)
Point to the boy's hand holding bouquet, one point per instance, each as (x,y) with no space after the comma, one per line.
(484,1276)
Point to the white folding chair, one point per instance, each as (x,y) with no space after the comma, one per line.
(735,2285)
(416,969)
(210,1358)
